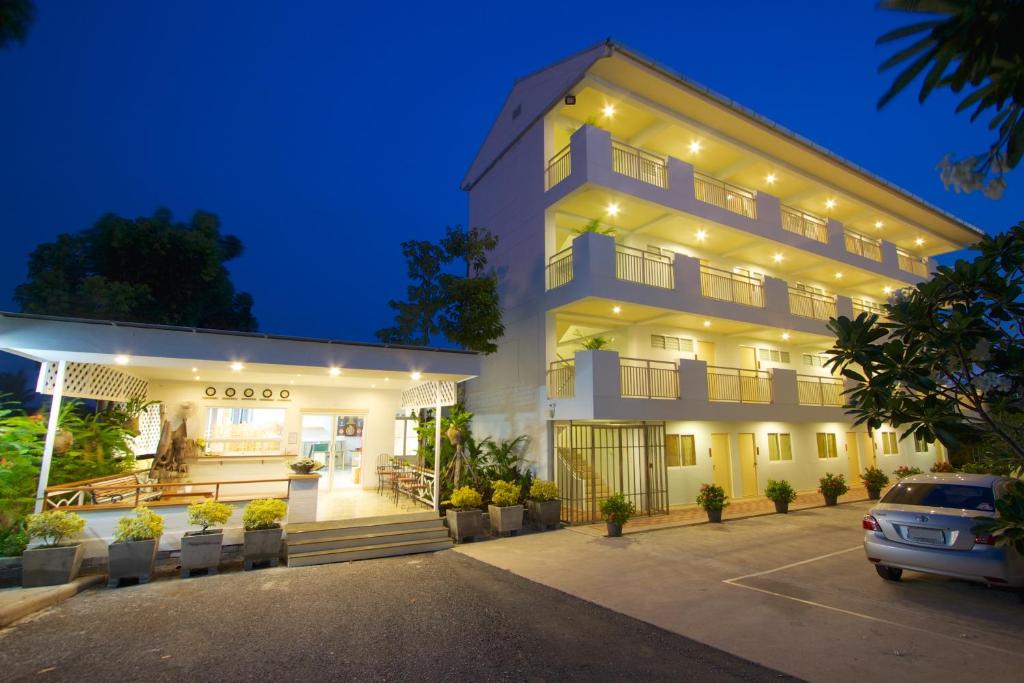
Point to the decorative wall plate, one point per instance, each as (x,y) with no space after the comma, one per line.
(230,392)
(210,391)
(249,393)
(285,393)
(268,393)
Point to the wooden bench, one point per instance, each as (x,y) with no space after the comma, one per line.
(123,489)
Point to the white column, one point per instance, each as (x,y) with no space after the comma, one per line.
(437,446)
(51,435)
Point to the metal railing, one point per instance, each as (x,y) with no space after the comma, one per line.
(639,378)
(643,267)
(559,167)
(639,165)
(862,306)
(819,391)
(562,379)
(739,386)
(912,264)
(127,494)
(863,246)
(811,304)
(727,286)
(559,270)
(802,223)
(713,191)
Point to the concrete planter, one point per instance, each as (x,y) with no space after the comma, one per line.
(134,559)
(50,566)
(781,506)
(715,515)
(262,545)
(506,519)
(546,514)
(465,524)
(200,551)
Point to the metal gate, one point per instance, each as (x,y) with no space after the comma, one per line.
(596,460)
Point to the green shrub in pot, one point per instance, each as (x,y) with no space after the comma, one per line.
(201,549)
(133,552)
(616,511)
(781,493)
(505,512)
(465,518)
(713,499)
(261,521)
(544,504)
(874,481)
(54,562)
(831,486)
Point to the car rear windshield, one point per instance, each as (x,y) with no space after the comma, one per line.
(958,496)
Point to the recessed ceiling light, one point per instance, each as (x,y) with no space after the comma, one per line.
(387,379)
(919,241)
(608,110)
(291,381)
(122,359)
(334,372)
(195,369)
(702,235)
(785,336)
(237,367)
(373,386)
(830,203)
(695,146)
(707,323)
(616,309)
(887,289)
(416,375)
(879,224)
(778,257)
(839,275)
(770,178)
(197,378)
(612,209)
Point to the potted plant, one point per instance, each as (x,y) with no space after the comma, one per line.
(133,552)
(201,549)
(544,505)
(874,481)
(53,562)
(465,518)
(903,471)
(831,486)
(505,511)
(713,499)
(305,465)
(942,467)
(616,511)
(261,520)
(781,493)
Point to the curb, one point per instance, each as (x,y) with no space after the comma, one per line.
(31,600)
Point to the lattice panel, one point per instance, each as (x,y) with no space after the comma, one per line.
(88,380)
(150,423)
(425,395)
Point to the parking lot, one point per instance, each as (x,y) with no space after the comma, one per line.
(793,592)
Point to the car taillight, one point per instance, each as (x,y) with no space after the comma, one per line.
(985,540)
(870,523)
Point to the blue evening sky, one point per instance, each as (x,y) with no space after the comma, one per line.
(325,133)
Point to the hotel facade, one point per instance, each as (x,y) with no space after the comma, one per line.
(668,263)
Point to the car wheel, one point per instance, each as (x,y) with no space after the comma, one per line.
(889,573)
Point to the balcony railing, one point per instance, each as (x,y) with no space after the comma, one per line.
(862,306)
(739,386)
(640,378)
(811,304)
(562,379)
(863,246)
(912,264)
(559,270)
(801,223)
(559,167)
(819,391)
(726,286)
(713,191)
(639,165)
(643,267)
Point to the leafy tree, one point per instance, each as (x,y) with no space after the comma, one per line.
(148,270)
(16,388)
(15,18)
(462,307)
(949,365)
(974,45)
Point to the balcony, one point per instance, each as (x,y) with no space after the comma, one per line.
(639,165)
(807,304)
(819,391)
(721,194)
(803,223)
(643,267)
(909,263)
(561,379)
(559,167)
(728,286)
(639,378)
(862,306)
(739,386)
(863,246)
(559,270)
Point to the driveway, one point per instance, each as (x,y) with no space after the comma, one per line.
(419,618)
(793,592)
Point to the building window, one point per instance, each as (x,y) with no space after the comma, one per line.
(244,431)
(774,355)
(780,447)
(827,445)
(661,341)
(406,437)
(920,444)
(815,360)
(890,445)
(680,451)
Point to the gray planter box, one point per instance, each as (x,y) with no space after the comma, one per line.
(50,566)
(464,525)
(134,559)
(262,545)
(545,514)
(506,519)
(200,551)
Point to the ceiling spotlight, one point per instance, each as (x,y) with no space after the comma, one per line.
(122,359)
(879,224)
(291,381)
(830,203)
(237,367)
(612,209)
(887,289)
(373,386)
(195,369)
(695,146)
(387,379)
(778,257)
(197,378)
(616,309)
(770,178)
(334,372)
(416,375)
(839,275)
(608,111)
(919,241)
(785,336)
(707,323)
(702,235)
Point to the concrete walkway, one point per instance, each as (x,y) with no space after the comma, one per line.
(18,603)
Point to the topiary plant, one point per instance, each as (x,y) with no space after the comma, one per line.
(466,498)
(142,525)
(53,526)
(542,491)
(505,494)
(208,513)
(779,491)
(712,497)
(264,513)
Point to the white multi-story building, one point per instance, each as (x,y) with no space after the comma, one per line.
(732,242)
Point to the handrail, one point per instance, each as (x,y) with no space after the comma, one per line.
(918,265)
(725,285)
(560,268)
(642,378)
(863,245)
(559,167)
(138,490)
(803,223)
(739,385)
(643,267)
(638,164)
(119,475)
(725,195)
(864,306)
(816,390)
(808,304)
(561,379)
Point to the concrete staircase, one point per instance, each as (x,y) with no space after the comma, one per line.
(345,540)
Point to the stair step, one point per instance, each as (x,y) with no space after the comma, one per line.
(363,521)
(361,530)
(368,552)
(376,538)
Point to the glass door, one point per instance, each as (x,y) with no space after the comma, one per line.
(335,441)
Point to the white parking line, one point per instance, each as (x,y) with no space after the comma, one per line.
(867,617)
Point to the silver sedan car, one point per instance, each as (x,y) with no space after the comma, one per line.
(924,524)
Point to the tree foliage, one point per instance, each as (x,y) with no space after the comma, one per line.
(973,46)
(148,270)
(949,364)
(15,18)
(463,306)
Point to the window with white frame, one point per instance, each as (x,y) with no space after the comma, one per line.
(815,360)
(774,355)
(890,444)
(920,444)
(406,441)
(780,447)
(244,431)
(680,450)
(670,343)
(827,445)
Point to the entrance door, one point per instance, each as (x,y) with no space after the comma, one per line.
(721,461)
(706,352)
(853,458)
(748,358)
(336,442)
(748,464)
(867,450)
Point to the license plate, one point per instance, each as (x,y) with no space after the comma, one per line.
(923,535)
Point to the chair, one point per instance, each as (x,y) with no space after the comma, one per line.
(385,473)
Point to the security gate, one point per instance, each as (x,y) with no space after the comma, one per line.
(596,460)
